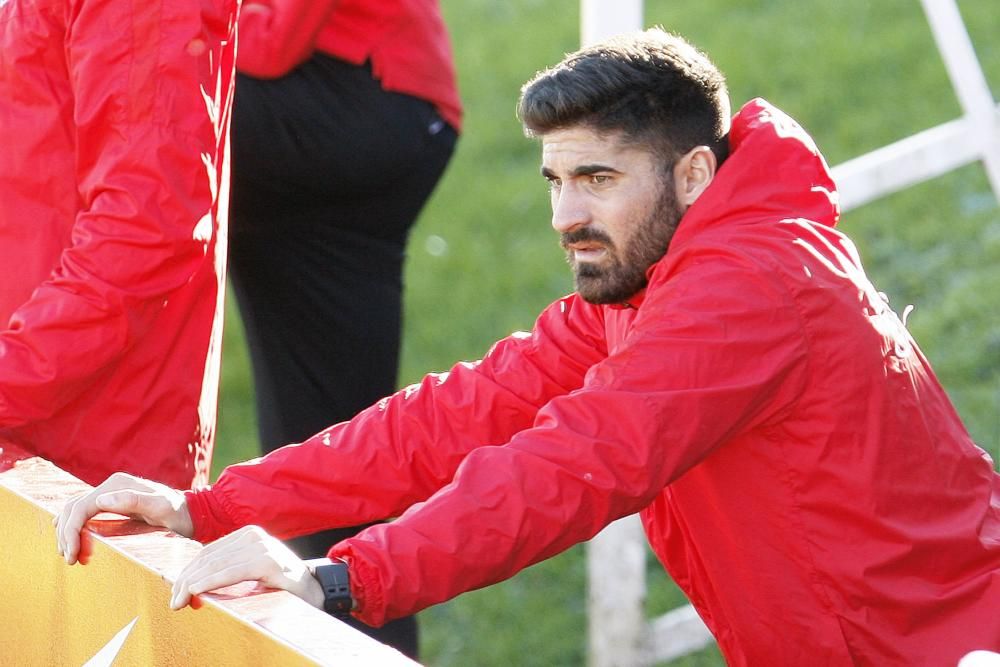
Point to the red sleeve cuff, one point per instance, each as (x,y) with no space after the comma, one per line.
(209,520)
(369,607)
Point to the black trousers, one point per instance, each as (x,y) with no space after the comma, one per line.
(330,173)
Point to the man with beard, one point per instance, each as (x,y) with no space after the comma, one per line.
(725,368)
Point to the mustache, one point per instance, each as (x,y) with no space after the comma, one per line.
(584,234)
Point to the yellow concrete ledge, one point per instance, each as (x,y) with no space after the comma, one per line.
(114,609)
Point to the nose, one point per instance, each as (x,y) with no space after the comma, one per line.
(569,209)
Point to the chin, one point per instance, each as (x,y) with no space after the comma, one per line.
(601,293)
(598,296)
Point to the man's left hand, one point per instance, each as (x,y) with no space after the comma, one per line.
(248,554)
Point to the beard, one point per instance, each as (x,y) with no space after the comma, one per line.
(623,272)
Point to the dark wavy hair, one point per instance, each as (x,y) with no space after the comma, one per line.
(654,87)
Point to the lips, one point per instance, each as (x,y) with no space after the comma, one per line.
(587,252)
(585,245)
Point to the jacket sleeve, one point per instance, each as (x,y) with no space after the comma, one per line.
(407,446)
(278,35)
(144,135)
(716,352)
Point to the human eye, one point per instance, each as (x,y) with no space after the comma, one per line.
(600,179)
(554,183)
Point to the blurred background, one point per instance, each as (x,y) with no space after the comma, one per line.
(483,260)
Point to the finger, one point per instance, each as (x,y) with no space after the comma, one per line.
(201,563)
(179,598)
(121,502)
(243,538)
(212,574)
(253,570)
(260,569)
(81,510)
(148,506)
(60,521)
(78,510)
(158,506)
(233,548)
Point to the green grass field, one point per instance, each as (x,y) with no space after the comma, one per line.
(483,260)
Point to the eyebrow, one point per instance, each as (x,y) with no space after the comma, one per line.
(583,170)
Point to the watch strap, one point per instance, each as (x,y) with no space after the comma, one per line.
(335,581)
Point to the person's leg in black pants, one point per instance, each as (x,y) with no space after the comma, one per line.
(330,173)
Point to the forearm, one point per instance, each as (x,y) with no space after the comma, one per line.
(390,456)
(407,447)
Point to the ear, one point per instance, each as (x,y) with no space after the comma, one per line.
(693,173)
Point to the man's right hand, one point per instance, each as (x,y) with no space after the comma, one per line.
(141,499)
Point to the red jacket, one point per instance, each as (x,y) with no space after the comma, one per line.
(113,126)
(798,468)
(405,40)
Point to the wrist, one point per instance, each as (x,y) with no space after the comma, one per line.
(312,591)
(185,525)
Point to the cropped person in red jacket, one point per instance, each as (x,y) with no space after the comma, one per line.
(114,123)
(725,368)
(346,116)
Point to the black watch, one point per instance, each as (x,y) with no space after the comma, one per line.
(336,584)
